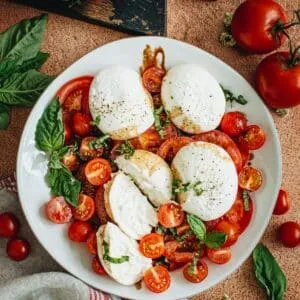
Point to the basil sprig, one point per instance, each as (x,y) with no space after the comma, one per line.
(113,260)
(268,273)
(213,239)
(229,96)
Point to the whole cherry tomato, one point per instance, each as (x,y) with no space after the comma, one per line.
(233,123)
(289,234)
(17,249)
(79,231)
(282,204)
(278,80)
(257,25)
(9,225)
(81,124)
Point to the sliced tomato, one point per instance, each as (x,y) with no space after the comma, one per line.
(81,124)
(85,209)
(79,231)
(100,206)
(253,137)
(97,267)
(219,256)
(91,242)
(223,140)
(197,273)
(86,151)
(173,252)
(152,79)
(152,245)
(170,215)
(233,123)
(98,171)
(171,146)
(250,179)
(74,94)
(58,210)
(231,230)
(157,279)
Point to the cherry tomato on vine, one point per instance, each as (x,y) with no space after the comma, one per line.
(282,204)
(289,234)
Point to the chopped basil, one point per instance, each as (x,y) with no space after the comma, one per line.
(192,268)
(229,96)
(246,198)
(96,121)
(179,187)
(99,142)
(158,123)
(126,148)
(160,229)
(113,260)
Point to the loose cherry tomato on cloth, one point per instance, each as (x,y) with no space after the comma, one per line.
(173,252)
(219,256)
(195,274)
(9,225)
(86,151)
(171,146)
(231,230)
(100,206)
(85,209)
(157,279)
(79,231)
(170,215)
(98,171)
(277,80)
(233,123)
(253,137)
(223,140)
(282,204)
(70,160)
(81,124)
(97,267)
(250,179)
(17,249)
(289,234)
(91,242)
(262,32)
(58,210)
(74,94)
(152,245)
(152,79)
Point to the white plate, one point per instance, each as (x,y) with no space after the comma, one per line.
(34,191)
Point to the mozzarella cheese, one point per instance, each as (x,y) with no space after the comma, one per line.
(128,207)
(118,97)
(193,98)
(212,165)
(150,173)
(128,272)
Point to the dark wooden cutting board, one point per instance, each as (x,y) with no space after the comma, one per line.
(134,16)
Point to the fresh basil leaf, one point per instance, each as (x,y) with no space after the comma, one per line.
(63,183)
(34,63)
(22,41)
(4,116)
(113,260)
(7,67)
(268,273)
(49,134)
(215,239)
(197,227)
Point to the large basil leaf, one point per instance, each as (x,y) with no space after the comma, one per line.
(23,88)
(49,134)
(268,273)
(197,227)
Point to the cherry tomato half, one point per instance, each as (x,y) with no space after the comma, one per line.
(97,267)
(233,123)
(250,179)
(81,124)
(58,210)
(282,204)
(231,230)
(253,137)
(79,231)
(157,279)
(219,256)
(170,215)
(98,171)
(17,249)
(91,242)
(86,151)
(9,225)
(152,245)
(85,209)
(174,251)
(289,234)
(255,34)
(100,206)
(152,79)
(70,161)
(196,274)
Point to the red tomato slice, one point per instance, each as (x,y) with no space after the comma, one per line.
(172,252)
(98,171)
(79,231)
(58,210)
(231,230)
(233,123)
(196,274)
(253,137)
(74,94)
(171,146)
(170,215)
(219,256)
(91,243)
(152,79)
(157,279)
(100,206)
(86,151)
(81,124)
(250,179)
(223,140)
(152,245)
(97,267)
(85,209)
